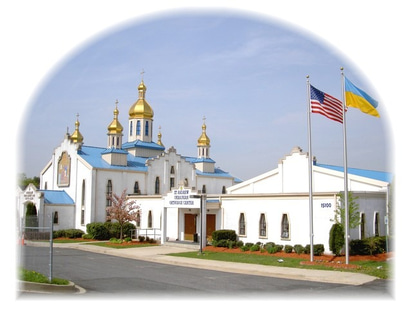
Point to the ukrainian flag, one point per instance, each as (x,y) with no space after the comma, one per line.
(358,98)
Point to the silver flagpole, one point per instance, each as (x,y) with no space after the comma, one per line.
(345,170)
(310,163)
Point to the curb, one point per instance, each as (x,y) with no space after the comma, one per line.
(71,288)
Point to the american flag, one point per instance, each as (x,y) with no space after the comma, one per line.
(326,105)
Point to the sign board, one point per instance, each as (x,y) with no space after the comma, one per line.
(182,198)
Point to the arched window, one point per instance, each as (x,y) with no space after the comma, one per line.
(136,187)
(204,189)
(285,227)
(131,128)
(157,186)
(376,231)
(242,224)
(146,128)
(172,170)
(109,190)
(224,190)
(262,225)
(83,201)
(83,191)
(56,218)
(149,220)
(138,130)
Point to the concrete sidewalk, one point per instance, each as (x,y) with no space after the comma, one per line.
(158,254)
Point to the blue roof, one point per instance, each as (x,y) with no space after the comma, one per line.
(141,144)
(93,156)
(114,150)
(59,197)
(377,175)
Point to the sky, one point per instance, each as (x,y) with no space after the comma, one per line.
(246,75)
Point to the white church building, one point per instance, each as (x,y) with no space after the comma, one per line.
(77,181)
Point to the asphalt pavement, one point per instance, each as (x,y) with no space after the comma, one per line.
(159,254)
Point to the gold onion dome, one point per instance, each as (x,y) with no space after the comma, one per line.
(141,109)
(203,139)
(115,127)
(77,137)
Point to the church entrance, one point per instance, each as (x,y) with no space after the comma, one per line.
(190,226)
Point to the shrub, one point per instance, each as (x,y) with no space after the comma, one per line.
(288,249)
(298,249)
(127,239)
(87,236)
(141,238)
(114,240)
(367,246)
(318,249)
(69,233)
(244,248)
(255,247)
(222,243)
(269,244)
(239,244)
(336,238)
(224,234)
(98,231)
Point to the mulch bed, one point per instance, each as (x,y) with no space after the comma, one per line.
(325,260)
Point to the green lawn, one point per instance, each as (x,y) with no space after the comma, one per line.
(33,276)
(378,269)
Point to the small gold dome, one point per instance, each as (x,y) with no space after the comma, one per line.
(115,127)
(77,137)
(203,139)
(141,109)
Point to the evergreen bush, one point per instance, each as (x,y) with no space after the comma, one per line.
(336,238)
(298,249)
(98,230)
(224,234)
(288,249)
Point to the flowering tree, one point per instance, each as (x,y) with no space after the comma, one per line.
(122,210)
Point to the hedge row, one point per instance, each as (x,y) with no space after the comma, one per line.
(107,230)
(69,233)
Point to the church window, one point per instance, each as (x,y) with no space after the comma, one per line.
(172,170)
(376,231)
(83,201)
(242,224)
(157,185)
(149,220)
(56,217)
(109,190)
(262,225)
(146,129)
(204,189)
(83,191)
(172,183)
(131,128)
(285,227)
(117,141)
(138,128)
(138,219)
(362,226)
(224,190)
(136,188)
